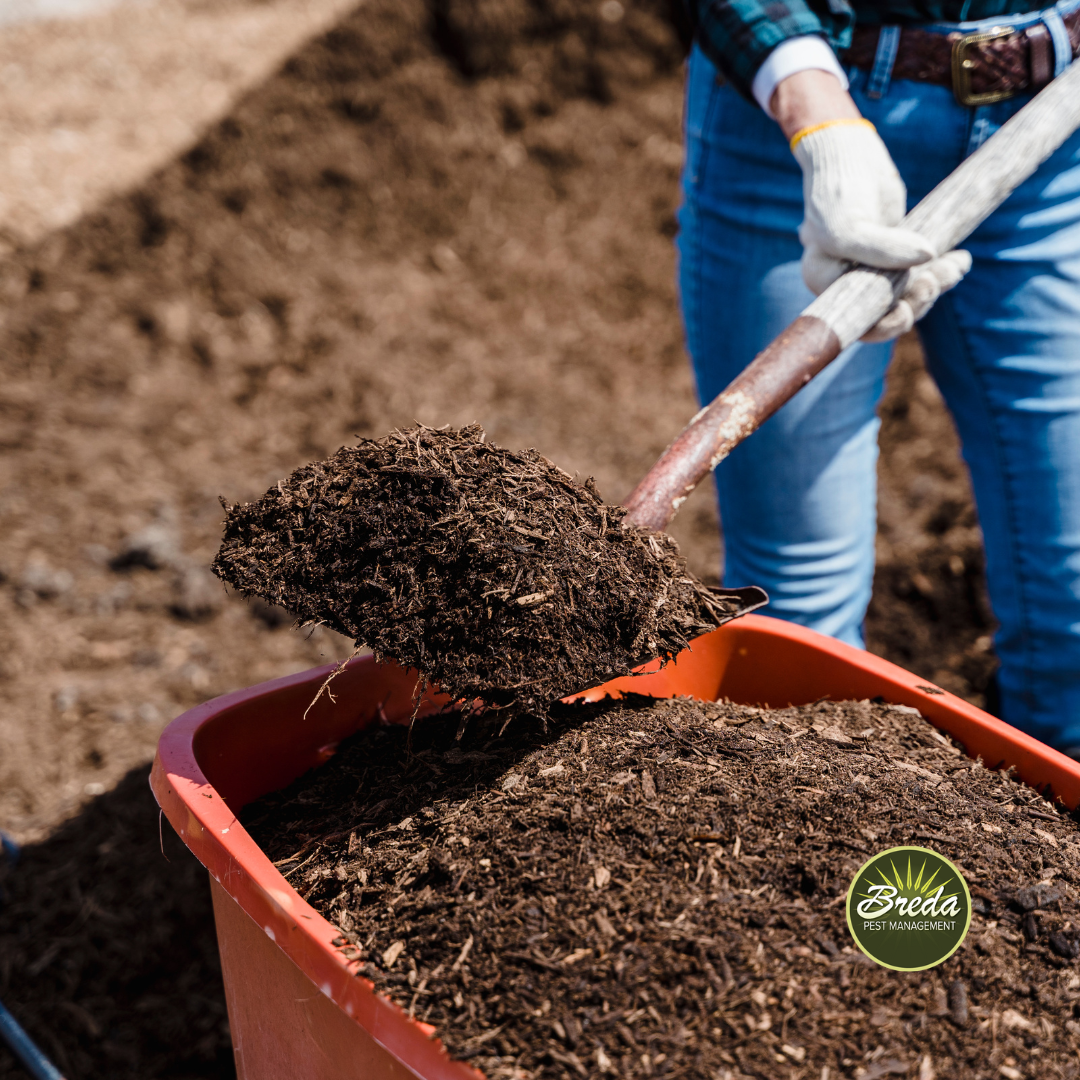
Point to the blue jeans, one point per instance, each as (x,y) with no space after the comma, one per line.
(798,499)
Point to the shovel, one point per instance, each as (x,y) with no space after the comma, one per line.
(855,302)
(547,647)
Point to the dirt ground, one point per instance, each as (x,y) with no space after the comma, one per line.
(446,212)
(90,106)
(107,950)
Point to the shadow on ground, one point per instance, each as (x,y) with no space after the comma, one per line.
(107,948)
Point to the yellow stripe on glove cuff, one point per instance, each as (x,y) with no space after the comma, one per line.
(800,135)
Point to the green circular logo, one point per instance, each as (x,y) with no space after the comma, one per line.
(908,908)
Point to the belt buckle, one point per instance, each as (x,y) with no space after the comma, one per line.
(962,66)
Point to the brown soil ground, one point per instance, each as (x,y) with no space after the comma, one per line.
(657,889)
(90,106)
(107,951)
(424,215)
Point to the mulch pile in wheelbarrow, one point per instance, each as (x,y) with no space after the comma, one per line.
(494,573)
(657,889)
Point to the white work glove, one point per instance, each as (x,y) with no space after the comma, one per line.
(854,201)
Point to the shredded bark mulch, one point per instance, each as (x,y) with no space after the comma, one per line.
(493,572)
(657,889)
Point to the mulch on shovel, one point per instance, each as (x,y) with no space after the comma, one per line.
(493,572)
(657,889)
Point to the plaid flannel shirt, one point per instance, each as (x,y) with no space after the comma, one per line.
(737,35)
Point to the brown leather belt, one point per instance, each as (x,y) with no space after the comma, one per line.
(980,68)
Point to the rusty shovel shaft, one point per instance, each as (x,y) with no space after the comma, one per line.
(856,301)
(773,377)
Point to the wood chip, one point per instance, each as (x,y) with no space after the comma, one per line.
(389,957)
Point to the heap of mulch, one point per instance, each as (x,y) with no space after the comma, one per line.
(657,889)
(491,571)
(107,950)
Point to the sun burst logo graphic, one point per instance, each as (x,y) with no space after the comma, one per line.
(908,908)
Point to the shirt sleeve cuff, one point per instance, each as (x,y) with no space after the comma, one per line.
(805,53)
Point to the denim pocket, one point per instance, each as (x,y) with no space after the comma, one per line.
(701,90)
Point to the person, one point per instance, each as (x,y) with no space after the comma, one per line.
(811,127)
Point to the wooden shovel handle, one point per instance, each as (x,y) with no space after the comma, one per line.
(856,301)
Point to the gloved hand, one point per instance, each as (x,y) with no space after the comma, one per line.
(854,200)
